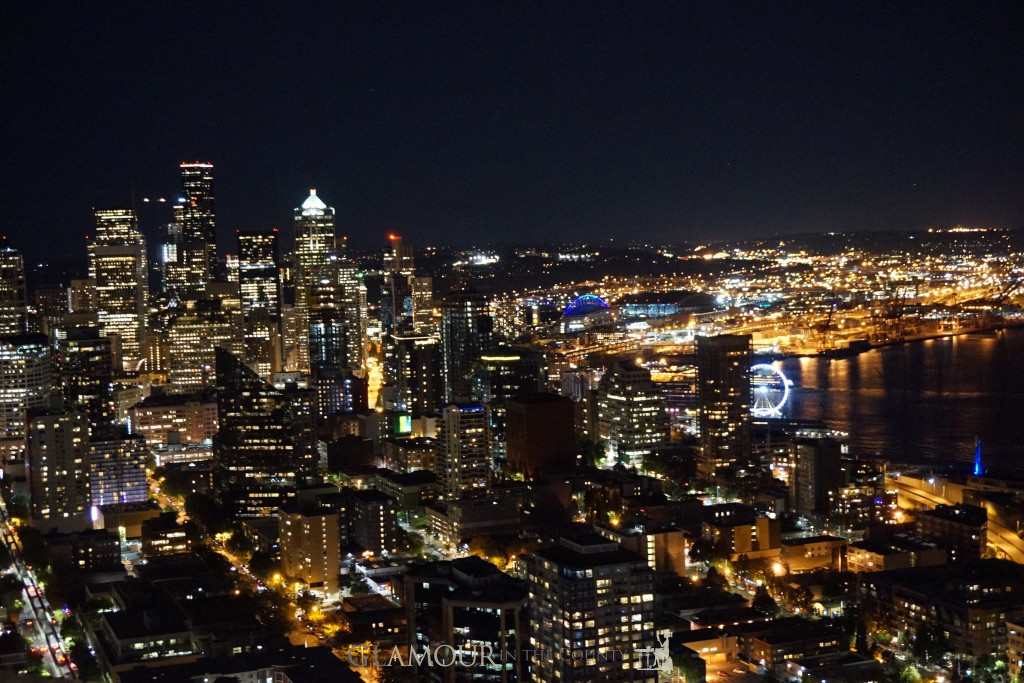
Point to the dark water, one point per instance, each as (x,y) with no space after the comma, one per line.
(922,401)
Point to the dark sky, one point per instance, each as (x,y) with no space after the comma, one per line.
(519,121)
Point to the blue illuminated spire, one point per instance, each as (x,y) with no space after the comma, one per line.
(979,469)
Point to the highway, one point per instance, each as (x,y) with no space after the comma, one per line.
(56,658)
(1004,540)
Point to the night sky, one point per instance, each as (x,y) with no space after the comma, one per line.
(519,122)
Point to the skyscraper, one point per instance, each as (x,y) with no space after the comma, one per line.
(265,443)
(399,256)
(86,373)
(117,265)
(26,381)
(192,339)
(412,368)
(258,265)
(260,290)
(592,612)
(630,413)
(315,243)
(466,332)
(12,292)
(500,375)
(464,457)
(723,371)
(58,470)
(310,548)
(197,217)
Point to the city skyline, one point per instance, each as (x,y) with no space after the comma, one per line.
(477,124)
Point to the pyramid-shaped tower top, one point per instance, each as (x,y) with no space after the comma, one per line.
(313,206)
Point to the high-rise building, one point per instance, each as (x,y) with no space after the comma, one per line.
(371,520)
(310,548)
(464,457)
(48,309)
(265,443)
(353,305)
(197,216)
(501,374)
(466,332)
(338,392)
(260,290)
(86,372)
(117,266)
(27,379)
(592,612)
(474,608)
(315,244)
(399,256)
(258,265)
(117,468)
(723,369)
(192,339)
(58,470)
(412,368)
(630,413)
(540,434)
(818,474)
(12,292)
(422,304)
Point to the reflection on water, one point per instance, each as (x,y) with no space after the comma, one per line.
(921,401)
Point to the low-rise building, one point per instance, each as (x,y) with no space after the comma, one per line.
(961,529)
(163,535)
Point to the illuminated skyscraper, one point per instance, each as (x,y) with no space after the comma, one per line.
(260,287)
(258,266)
(399,256)
(58,470)
(466,332)
(723,369)
(464,457)
(117,265)
(422,304)
(197,217)
(412,368)
(12,292)
(630,414)
(315,243)
(265,443)
(192,340)
(86,372)
(26,382)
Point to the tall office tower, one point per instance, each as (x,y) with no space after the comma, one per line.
(412,367)
(502,374)
(315,243)
(58,470)
(422,304)
(49,306)
(12,292)
(592,612)
(310,548)
(396,308)
(231,268)
(399,256)
(117,265)
(197,216)
(192,339)
(464,457)
(26,382)
(630,413)
(117,468)
(466,332)
(818,475)
(353,306)
(265,443)
(723,375)
(260,287)
(258,265)
(86,370)
(294,338)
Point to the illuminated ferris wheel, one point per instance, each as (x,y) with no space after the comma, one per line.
(769,389)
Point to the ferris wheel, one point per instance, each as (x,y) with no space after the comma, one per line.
(769,389)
